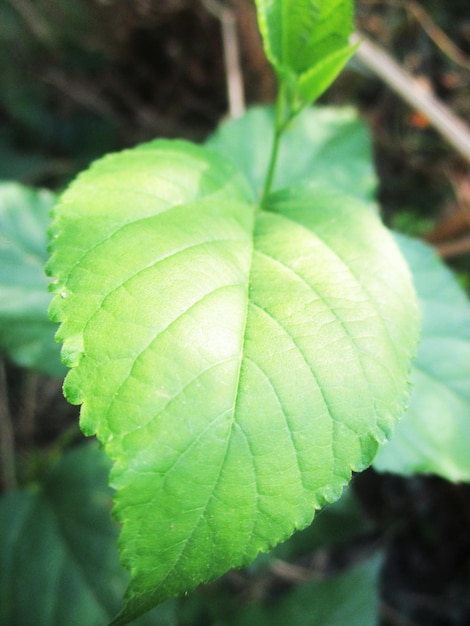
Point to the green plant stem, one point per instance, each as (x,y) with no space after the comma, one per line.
(272,163)
(280,123)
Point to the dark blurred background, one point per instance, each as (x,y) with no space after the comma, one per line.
(79,79)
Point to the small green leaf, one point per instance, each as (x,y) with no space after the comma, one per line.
(312,83)
(236,361)
(306,41)
(434,435)
(26,333)
(327,144)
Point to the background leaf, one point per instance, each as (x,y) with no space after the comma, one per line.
(26,333)
(237,362)
(347,598)
(58,553)
(434,435)
(350,597)
(322,143)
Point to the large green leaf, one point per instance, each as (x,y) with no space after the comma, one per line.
(236,361)
(58,553)
(434,436)
(330,144)
(26,333)
(306,41)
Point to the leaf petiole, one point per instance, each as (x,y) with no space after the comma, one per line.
(285,112)
(282,119)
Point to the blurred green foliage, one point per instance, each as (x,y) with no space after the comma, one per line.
(47,130)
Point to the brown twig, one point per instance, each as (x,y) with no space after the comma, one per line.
(412,91)
(451,234)
(434,32)
(7,438)
(439,37)
(448,249)
(235,89)
(33,19)
(84,95)
(293,573)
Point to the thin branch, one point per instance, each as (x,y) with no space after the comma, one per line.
(82,94)
(33,19)
(434,32)
(456,247)
(235,90)
(7,439)
(449,125)
(439,37)
(293,573)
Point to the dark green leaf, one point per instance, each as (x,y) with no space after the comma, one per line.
(434,435)
(350,598)
(58,553)
(26,334)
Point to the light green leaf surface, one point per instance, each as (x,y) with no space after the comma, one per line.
(434,436)
(312,83)
(58,555)
(26,333)
(236,362)
(327,144)
(306,41)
